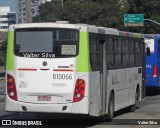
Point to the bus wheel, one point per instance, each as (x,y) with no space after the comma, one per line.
(133,107)
(110,114)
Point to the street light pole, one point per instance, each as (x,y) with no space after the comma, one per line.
(62,3)
(152,21)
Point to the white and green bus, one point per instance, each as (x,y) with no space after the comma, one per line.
(73,68)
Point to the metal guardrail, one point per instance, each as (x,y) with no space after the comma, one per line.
(2,77)
(2,89)
(2,74)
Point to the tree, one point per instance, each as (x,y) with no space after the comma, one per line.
(3,51)
(81,12)
(49,12)
(150,9)
(101,13)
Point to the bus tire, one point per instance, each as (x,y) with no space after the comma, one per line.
(133,107)
(110,114)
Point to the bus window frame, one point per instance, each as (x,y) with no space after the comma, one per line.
(48,29)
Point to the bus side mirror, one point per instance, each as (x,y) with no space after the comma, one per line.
(17,47)
(148,51)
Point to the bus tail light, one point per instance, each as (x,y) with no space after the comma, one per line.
(79,90)
(155,71)
(11,87)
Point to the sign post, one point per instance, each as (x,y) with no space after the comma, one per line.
(133,19)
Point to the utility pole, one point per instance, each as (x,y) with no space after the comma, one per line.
(19,12)
(62,3)
(28,11)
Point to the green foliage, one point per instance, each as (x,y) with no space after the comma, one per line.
(96,12)
(48,12)
(3,50)
(107,13)
(150,9)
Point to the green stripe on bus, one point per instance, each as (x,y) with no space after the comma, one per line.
(83,59)
(10,55)
(136,35)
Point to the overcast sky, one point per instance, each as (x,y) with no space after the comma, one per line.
(10,3)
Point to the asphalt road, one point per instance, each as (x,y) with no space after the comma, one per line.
(147,110)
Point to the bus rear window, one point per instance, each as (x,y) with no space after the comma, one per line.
(46,42)
(66,35)
(35,41)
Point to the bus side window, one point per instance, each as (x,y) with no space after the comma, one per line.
(94,52)
(148,51)
(110,51)
(115,57)
(118,53)
(125,54)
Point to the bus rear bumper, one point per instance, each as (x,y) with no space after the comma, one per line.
(77,107)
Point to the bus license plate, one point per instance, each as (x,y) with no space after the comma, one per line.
(44,98)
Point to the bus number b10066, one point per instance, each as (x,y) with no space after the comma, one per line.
(62,76)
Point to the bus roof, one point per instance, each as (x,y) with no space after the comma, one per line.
(83,27)
(151,36)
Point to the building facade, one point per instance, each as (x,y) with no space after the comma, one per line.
(4,18)
(11,18)
(26,9)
